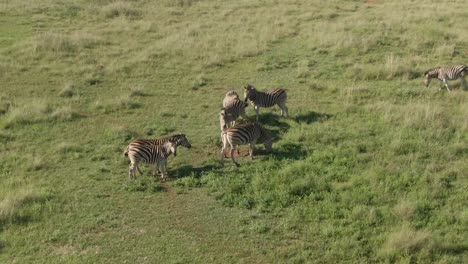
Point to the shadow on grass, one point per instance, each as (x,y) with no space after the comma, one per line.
(311,117)
(289,151)
(189,170)
(453,249)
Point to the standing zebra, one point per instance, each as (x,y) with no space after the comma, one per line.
(245,134)
(446,73)
(149,153)
(231,112)
(266,99)
(229,97)
(178,139)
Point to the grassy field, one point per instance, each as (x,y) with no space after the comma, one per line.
(371,166)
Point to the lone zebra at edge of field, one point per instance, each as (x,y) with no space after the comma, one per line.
(445,74)
(266,99)
(152,154)
(146,151)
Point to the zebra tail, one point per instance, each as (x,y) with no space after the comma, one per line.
(126,152)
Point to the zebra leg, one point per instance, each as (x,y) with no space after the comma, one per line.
(463,82)
(162,168)
(232,156)
(223,148)
(284,109)
(446,85)
(157,170)
(251,149)
(130,169)
(256,111)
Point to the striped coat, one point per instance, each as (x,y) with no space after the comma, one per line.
(266,99)
(445,74)
(156,154)
(247,133)
(231,112)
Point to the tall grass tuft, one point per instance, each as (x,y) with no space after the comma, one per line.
(35,111)
(407,241)
(12,202)
(59,43)
(65,113)
(120,9)
(67,91)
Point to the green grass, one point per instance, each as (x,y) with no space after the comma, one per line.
(371,166)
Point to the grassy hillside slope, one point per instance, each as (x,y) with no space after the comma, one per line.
(371,166)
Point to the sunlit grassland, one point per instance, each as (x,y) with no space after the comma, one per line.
(371,167)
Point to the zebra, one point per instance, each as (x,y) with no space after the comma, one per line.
(231,112)
(230,96)
(446,73)
(156,154)
(179,140)
(244,134)
(266,99)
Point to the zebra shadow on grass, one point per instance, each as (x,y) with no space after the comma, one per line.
(189,170)
(311,117)
(290,151)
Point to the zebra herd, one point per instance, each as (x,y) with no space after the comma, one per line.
(157,151)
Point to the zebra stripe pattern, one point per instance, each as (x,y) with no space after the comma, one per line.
(177,140)
(445,74)
(231,112)
(266,99)
(247,133)
(149,153)
(229,97)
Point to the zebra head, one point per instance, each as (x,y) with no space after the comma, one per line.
(429,74)
(249,92)
(181,140)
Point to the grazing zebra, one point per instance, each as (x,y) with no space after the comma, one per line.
(230,96)
(266,99)
(179,139)
(231,112)
(149,153)
(446,73)
(244,134)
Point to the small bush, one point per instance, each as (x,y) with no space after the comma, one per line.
(67,91)
(36,163)
(126,102)
(199,81)
(120,9)
(4,106)
(137,91)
